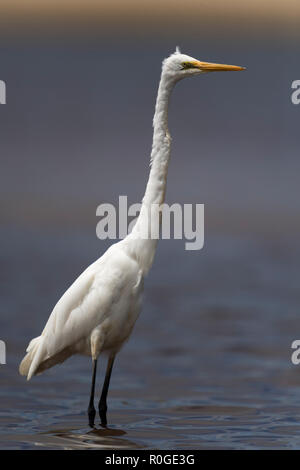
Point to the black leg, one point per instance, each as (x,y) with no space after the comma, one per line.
(102,402)
(91,408)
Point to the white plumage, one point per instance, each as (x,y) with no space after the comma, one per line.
(98,311)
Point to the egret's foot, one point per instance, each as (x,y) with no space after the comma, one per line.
(102,413)
(91,415)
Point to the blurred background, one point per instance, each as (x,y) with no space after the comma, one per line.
(214,340)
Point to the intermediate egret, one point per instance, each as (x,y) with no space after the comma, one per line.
(97,313)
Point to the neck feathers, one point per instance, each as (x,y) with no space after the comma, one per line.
(161,145)
(143,245)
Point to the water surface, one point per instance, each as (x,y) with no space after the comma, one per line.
(207,367)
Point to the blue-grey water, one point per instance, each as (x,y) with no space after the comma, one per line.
(209,363)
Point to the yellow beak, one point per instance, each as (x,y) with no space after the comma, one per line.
(211,67)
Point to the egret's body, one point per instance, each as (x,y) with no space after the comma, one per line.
(98,311)
(94,315)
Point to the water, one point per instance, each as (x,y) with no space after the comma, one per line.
(207,367)
(209,363)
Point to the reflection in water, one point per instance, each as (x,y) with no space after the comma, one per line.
(102,438)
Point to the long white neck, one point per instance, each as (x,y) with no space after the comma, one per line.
(161,146)
(144,247)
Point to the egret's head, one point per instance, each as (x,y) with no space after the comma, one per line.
(180,65)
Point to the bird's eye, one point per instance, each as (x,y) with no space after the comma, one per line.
(187,65)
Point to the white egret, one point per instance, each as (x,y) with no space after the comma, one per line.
(97,313)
